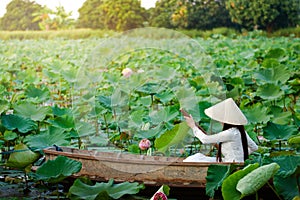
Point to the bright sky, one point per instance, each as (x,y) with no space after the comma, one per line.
(69,5)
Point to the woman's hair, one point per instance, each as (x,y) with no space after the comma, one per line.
(244,141)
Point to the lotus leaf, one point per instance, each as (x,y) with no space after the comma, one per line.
(257,178)
(22,124)
(42,94)
(22,157)
(9,135)
(54,171)
(279,132)
(277,53)
(80,190)
(273,75)
(171,137)
(257,114)
(216,174)
(229,191)
(31,111)
(269,91)
(294,140)
(48,138)
(288,186)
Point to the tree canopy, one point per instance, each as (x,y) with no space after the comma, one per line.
(117,15)
(18,16)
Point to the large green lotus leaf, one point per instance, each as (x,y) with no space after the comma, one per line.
(277,53)
(51,136)
(287,187)
(216,174)
(54,171)
(4,105)
(294,140)
(269,91)
(31,111)
(257,178)
(151,133)
(85,129)
(150,88)
(171,137)
(42,94)
(229,191)
(57,111)
(257,114)
(70,75)
(22,157)
(165,96)
(273,74)
(65,122)
(280,116)
(164,115)
(279,132)
(289,165)
(22,124)
(80,190)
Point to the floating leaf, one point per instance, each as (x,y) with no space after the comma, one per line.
(269,91)
(229,191)
(22,124)
(279,132)
(80,190)
(54,171)
(22,157)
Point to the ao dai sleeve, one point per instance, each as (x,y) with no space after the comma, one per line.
(223,136)
(252,146)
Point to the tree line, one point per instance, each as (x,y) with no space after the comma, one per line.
(122,15)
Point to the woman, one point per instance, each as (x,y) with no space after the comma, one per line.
(234,143)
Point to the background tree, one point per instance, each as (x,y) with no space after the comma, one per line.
(161,14)
(90,15)
(18,16)
(207,14)
(122,15)
(265,14)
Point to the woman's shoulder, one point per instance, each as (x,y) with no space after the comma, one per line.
(232,130)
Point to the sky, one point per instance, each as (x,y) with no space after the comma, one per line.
(69,5)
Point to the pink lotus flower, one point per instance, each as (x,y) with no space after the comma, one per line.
(144,144)
(160,196)
(127,72)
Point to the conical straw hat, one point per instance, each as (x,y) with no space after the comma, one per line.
(227,112)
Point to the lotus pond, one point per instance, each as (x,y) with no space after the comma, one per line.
(115,92)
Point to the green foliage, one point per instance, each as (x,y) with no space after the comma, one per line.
(266,15)
(18,16)
(120,15)
(18,123)
(279,132)
(206,15)
(173,137)
(229,191)
(90,15)
(216,174)
(161,14)
(257,178)
(80,190)
(22,157)
(54,171)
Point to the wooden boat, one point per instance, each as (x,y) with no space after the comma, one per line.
(122,166)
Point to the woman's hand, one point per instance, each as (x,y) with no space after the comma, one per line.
(190,121)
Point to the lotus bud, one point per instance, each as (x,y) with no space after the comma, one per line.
(144,144)
(160,196)
(127,72)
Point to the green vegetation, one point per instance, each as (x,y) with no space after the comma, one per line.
(61,92)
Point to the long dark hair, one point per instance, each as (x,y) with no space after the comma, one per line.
(243,137)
